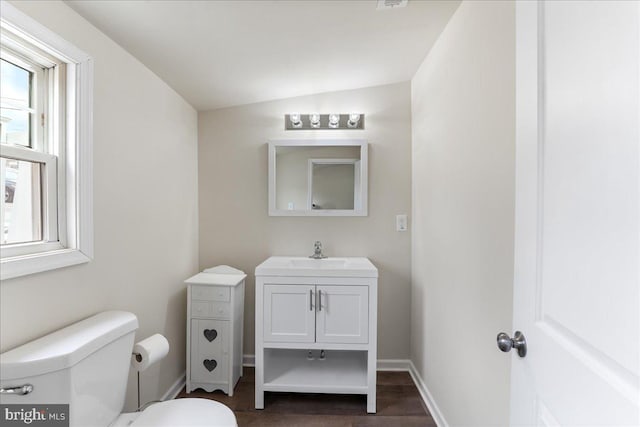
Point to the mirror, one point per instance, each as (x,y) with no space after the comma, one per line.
(318,178)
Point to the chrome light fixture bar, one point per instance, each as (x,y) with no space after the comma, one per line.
(317,121)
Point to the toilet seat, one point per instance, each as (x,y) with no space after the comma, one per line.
(191,412)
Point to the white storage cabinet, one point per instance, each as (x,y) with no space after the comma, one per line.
(215,310)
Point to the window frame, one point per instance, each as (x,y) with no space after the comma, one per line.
(49,201)
(38,69)
(45,141)
(64,145)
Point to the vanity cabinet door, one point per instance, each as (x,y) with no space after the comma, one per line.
(289,313)
(342,314)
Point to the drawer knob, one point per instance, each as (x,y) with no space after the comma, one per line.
(210,364)
(211,335)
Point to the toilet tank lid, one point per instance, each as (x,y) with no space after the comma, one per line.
(67,346)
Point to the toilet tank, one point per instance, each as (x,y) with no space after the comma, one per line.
(85,365)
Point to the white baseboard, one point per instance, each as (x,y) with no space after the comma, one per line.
(427,397)
(393,365)
(249,360)
(175,388)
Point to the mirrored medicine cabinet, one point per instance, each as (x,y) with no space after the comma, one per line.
(318,178)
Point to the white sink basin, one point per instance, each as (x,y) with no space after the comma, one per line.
(326,267)
(318,263)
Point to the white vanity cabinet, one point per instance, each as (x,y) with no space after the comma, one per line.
(316,326)
(215,307)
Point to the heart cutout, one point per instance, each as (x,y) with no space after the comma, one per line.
(210,334)
(210,364)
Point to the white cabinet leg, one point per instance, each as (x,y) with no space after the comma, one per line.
(259,398)
(259,377)
(371,402)
(372,362)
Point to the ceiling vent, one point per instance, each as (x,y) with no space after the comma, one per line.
(391,4)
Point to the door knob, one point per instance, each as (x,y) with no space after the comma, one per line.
(505,343)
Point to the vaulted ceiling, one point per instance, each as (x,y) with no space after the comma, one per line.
(224,53)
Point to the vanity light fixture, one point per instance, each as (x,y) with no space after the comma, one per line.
(317,121)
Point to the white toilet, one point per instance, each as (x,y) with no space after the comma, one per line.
(86,365)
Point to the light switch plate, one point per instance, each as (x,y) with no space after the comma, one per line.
(401,222)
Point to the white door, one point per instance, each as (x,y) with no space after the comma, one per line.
(342,314)
(576,287)
(289,313)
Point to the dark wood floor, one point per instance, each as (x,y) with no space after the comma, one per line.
(398,404)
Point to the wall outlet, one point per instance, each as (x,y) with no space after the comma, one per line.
(401,222)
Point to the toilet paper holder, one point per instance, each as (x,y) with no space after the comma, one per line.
(139,359)
(139,408)
(152,349)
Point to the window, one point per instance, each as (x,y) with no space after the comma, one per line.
(45,149)
(29,151)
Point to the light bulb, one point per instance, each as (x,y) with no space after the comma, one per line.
(295,120)
(353,120)
(334,120)
(314,119)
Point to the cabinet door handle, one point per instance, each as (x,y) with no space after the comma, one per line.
(319,300)
(310,299)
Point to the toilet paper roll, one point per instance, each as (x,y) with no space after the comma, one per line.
(149,351)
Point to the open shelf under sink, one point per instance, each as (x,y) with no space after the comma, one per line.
(340,372)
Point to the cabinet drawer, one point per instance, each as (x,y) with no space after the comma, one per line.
(210,309)
(210,293)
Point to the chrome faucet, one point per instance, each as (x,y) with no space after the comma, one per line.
(317,251)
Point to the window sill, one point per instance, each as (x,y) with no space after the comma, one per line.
(36,263)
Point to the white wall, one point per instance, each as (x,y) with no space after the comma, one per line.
(145,210)
(235,228)
(463,106)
